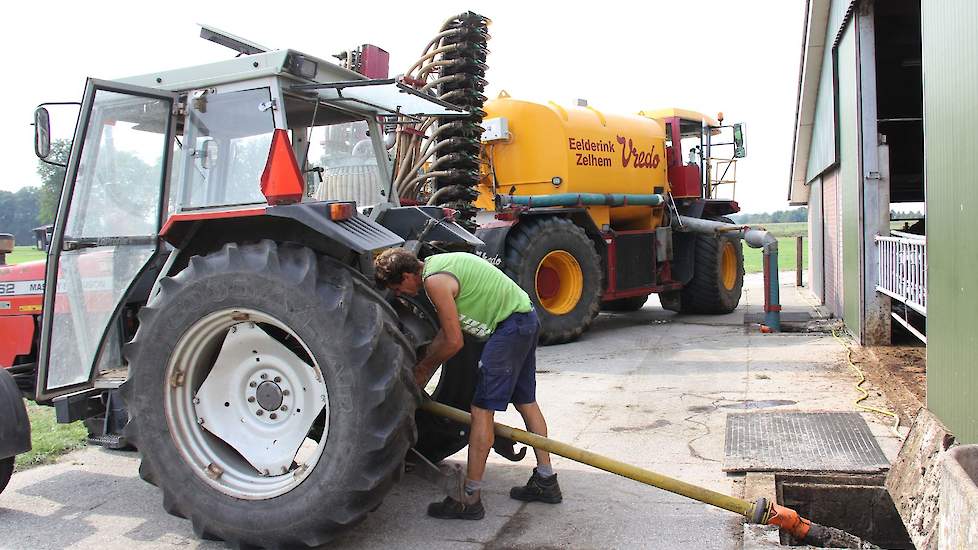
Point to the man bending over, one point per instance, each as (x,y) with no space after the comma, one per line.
(473,296)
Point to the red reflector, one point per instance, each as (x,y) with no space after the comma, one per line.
(339,211)
(281,182)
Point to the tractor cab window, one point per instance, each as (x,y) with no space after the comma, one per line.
(341,161)
(225,147)
(121,168)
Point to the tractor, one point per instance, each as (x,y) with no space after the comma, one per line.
(201,305)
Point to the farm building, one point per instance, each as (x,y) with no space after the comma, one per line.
(885,118)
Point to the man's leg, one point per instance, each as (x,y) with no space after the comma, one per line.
(481,438)
(535,423)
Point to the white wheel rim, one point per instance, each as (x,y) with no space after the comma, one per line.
(240,403)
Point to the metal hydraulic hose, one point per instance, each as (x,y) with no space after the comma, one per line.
(755,237)
(583,199)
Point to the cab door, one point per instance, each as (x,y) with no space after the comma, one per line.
(106,230)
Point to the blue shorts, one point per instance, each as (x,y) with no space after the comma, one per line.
(508,366)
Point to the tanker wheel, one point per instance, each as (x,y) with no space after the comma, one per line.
(270,395)
(6,470)
(718,276)
(554,261)
(633,303)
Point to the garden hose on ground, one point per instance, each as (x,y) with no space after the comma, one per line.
(895,428)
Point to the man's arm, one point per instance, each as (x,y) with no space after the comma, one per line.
(441,289)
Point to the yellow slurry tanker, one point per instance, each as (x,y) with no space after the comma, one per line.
(590,208)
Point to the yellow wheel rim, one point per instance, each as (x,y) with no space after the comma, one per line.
(728,265)
(559,282)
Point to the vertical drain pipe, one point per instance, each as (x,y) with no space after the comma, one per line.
(755,237)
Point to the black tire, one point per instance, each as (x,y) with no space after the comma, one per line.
(707,291)
(439,437)
(365,362)
(6,470)
(633,303)
(526,247)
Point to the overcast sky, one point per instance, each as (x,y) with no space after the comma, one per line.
(707,55)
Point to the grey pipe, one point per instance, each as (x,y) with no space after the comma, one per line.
(755,237)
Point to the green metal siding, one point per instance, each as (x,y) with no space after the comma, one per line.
(821,152)
(950,69)
(849,180)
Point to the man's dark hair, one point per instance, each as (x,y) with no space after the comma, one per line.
(393,263)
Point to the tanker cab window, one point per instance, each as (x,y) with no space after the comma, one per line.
(226,141)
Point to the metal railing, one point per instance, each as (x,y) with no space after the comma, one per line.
(903,269)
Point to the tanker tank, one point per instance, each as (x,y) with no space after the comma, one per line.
(550,149)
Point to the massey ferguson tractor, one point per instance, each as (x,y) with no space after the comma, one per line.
(208,294)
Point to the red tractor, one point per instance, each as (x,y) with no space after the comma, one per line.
(201,306)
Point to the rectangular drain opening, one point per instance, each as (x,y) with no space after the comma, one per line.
(858,504)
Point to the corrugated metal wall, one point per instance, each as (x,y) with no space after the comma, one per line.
(832,239)
(950,72)
(849,179)
(822,152)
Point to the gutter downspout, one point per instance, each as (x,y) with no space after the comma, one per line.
(755,237)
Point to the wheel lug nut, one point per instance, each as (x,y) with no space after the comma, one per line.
(264,377)
(273,416)
(252,384)
(259,412)
(284,408)
(277,379)
(285,392)
(251,399)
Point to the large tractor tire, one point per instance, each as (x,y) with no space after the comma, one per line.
(718,276)
(439,437)
(554,261)
(6,470)
(270,395)
(633,303)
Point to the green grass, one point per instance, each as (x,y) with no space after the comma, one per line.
(48,438)
(786,234)
(23,254)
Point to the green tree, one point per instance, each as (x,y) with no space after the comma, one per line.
(52,178)
(18,213)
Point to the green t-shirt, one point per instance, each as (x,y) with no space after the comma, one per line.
(486,296)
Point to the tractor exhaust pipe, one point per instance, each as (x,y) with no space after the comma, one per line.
(760,511)
(755,237)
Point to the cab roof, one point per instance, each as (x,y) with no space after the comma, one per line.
(659,114)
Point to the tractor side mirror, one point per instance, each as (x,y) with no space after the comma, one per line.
(42,133)
(738,136)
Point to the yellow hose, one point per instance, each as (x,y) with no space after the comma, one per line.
(702,494)
(865,394)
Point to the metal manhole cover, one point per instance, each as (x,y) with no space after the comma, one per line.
(801,441)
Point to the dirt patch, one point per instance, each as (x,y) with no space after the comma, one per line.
(900,372)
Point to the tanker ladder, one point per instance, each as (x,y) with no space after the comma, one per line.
(760,511)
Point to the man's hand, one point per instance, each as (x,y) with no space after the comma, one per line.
(441,289)
(422,373)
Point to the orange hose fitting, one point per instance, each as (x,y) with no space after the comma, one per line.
(788,520)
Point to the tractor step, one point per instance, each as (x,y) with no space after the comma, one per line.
(111,441)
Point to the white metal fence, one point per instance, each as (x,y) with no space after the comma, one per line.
(903,269)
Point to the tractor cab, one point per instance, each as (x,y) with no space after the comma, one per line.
(699,160)
(161,162)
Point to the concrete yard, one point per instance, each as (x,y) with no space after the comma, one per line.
(649,388)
